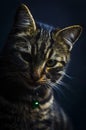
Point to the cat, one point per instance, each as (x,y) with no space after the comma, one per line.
(31,65)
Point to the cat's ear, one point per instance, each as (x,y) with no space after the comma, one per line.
(24,19)
(70,34)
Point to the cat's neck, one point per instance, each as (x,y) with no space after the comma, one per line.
(20,93)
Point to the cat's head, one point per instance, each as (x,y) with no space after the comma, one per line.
(39,52)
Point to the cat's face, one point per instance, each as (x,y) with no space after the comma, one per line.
(38,52)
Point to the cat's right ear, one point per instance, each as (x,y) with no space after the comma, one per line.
(68,35)
(24,20)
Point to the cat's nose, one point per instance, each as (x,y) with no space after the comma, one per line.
(36,74)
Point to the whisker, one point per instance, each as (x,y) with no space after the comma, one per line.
(65,74)
(56,88)
(65,85)
(62,83)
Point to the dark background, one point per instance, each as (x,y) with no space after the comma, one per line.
(60,13)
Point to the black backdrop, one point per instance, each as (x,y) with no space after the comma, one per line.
(62,14)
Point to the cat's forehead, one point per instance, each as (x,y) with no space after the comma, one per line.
(40,40)
(40,45)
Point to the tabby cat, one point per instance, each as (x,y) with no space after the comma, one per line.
(31,65)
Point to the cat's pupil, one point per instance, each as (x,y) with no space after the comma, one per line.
(51,63)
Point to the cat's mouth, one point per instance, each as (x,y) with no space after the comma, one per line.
(31,83)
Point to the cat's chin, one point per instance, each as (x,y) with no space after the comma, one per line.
(35,87)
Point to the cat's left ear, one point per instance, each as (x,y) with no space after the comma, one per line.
(70,34)
(24,19)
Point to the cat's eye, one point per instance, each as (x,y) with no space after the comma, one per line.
(26,56)
(51,63)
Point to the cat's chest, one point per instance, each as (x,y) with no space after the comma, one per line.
(36,110)
(23,115)
(39,118)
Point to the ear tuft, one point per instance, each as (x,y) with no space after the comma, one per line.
(70,34)
(24,19)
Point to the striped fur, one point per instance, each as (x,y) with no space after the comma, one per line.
(31,65)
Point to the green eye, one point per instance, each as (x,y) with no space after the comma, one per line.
(51,63)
